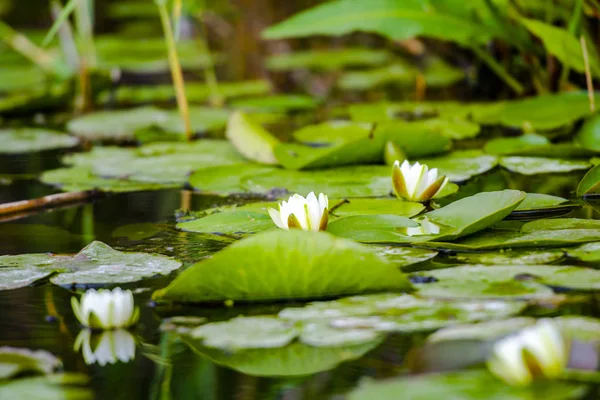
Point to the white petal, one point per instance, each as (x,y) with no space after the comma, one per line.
(314,211)
(276,217)
(124,345)
(546,345)
(323,202)
(507,361)
(412,178)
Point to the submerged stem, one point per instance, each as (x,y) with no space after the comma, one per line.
(175,66)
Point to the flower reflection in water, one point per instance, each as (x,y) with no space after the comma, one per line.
(106,347)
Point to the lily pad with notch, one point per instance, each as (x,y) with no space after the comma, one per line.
(278,265)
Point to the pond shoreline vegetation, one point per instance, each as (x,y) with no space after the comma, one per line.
(154,162)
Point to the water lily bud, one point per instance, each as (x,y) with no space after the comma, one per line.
(417,182)
(309,214)
(536,351)
(109,347)
(105,309)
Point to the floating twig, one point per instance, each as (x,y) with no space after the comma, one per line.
(52,200)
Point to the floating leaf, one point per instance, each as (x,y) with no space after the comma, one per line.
(531,281)
(416,139)
(251,139)
(24,140)
(588,136)
(404,256)
(246,333)
(196,92)
(464,385)
(588,252)
(80,179)
(461,218)
(538,201)
(124,125)
(328,60)
(230,222)
(461,165)
(590,184)
(398,313)
(541,165)
(545,112)
(97,263)
(506,145)
(15,361)
(516,257)
(139,231)
(285,265)
(276,103)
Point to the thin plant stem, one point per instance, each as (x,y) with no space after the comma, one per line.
(498,69)
(588,74)
(572,28)
(175,66)
(62,27)
(21,44)
(85,29)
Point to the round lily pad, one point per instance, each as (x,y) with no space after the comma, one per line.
(25,140)
(501,281)
(542,165)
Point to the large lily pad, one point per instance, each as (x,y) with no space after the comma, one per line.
(234,222)
(461,165)
(587,252)
(285,265)
(515,257)
(502,281)
(97,263)
(24,140)
(542,165)
(464,385)
(405,256)
(125,125)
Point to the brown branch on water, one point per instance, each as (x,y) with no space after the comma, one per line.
(53,200)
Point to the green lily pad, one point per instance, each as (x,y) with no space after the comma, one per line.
(545,112)
(25,140)
(226,179)
(405,256)
(97,263)
(328,60)
(346,145)
(464,385)
(246,333)
(416,139)
(486,330)
(587,252)
(125,125)
(560,223)
(506,281)
(398,313)
(15,361)
(461,165)
(460,218)
(541,165)
(590,184)
(507,146)
(538,201)
(251,139)
(296,359)
(55,386)
(196,92)
(451,127)
(81,178)
(588,136)
(285,265)
(276,103)
(236,222)
(514,257)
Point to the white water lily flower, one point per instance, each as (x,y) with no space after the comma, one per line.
(417,182)
(105,309)
(309,214)
(537,350)
(110,346)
